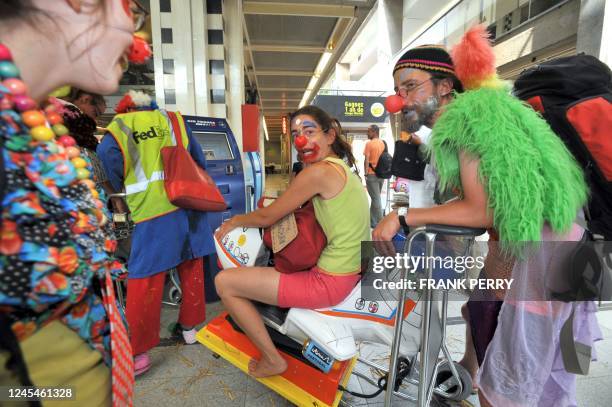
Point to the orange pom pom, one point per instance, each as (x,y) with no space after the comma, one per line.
(474,59)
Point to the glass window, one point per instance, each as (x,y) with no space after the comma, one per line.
(164,6)
(217,95)
(214,6)
(215,36)
(168,66)
(166,35)
(170,96)
(216,66)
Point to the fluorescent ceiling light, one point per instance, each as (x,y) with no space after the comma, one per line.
(321,66)
(305,98)
(265,127)
(312,83)
(325,57)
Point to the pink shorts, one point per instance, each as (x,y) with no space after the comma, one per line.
(314,289)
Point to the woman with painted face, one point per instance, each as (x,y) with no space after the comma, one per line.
(59,320)
(341,208)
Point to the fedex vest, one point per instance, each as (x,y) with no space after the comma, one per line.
(141,136)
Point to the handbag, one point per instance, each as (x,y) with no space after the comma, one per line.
(303,252)
(407,161)
(187,184)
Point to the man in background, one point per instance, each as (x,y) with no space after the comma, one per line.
(373,149)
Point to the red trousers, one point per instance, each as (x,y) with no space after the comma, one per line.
(144,300)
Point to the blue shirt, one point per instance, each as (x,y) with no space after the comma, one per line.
(164,242)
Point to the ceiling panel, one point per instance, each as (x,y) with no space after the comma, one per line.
(280,94)
(283,81)
(265,29)
(339,2)
(290,61)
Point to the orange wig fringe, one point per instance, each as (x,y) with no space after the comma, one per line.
(474,59)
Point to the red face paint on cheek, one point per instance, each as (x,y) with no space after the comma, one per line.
(312,156)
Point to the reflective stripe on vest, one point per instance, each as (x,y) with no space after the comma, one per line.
(141,136)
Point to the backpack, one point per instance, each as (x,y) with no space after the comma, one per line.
(407,161)
(383,166)
(574,95)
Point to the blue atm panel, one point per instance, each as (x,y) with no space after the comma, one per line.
(223,161)
(224,165)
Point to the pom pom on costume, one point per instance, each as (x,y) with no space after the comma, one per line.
(140,51)
(135,100)
(474,60)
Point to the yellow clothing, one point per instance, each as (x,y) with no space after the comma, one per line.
(56,356)
(345,219)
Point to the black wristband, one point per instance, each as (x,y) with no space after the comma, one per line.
(405,227)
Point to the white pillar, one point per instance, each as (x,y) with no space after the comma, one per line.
(183,58)
(232,11)
(189,52)
(595,29)
(201,78)
(157,53)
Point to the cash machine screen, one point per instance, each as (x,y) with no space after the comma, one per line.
(214,145)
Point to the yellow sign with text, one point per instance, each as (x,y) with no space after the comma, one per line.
(353,109)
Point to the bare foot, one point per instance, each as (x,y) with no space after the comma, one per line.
(472,369)
(266,368)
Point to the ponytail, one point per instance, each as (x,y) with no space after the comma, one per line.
(342,148)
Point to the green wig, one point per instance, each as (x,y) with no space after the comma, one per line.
(529,175)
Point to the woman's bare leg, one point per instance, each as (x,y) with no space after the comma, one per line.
(237,287)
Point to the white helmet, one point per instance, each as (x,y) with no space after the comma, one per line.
(241,247)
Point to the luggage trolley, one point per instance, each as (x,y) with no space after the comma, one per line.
(433,327)
(321,377)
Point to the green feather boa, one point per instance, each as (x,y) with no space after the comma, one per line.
(528,173)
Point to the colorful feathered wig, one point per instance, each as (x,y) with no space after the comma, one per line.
(135,100)
(528,173)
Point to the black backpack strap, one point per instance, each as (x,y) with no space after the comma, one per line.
(576,355)
(384,151)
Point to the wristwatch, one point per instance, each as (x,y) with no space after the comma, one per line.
(401,214)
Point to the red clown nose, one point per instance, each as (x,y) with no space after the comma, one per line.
(300,142)
(394,103)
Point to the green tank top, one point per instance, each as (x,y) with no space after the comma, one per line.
(345,219)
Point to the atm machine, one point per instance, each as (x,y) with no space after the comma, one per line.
(224,165)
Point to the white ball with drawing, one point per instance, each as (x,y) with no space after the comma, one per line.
(242,247)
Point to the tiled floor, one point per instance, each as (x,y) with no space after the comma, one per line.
(190,376)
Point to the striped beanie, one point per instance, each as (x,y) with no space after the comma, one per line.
(431,58)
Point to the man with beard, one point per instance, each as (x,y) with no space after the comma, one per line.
(372,152)
(425,79)
(515,177)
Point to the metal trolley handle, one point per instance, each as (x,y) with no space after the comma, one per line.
(425,387)
(454,230)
